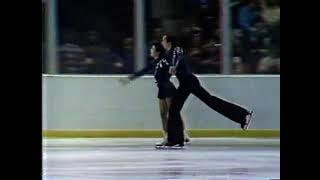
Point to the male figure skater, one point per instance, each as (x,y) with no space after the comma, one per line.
(189,83)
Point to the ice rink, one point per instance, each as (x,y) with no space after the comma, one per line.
(137,159)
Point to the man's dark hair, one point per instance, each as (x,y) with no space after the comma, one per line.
(159,48)
(172,40)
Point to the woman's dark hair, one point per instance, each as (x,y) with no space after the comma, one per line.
(159,48)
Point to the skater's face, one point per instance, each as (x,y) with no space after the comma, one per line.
(153,52)
(165,43)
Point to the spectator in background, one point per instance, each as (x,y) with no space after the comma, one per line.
(94,51)
(126,55)
(237,51)
(196,40)
(114,63)
(195,51)
(107,60)
(270,64)
(270,11)
(249,16)
(269,35)
(72,56)
(271,15)
(210,56)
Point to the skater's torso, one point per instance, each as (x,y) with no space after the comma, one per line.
(177,59)
(161,72)
(162,76)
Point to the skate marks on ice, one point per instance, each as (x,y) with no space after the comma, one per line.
(129,158)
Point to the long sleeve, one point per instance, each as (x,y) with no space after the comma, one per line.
(177,55)
(178,60)
(146,70)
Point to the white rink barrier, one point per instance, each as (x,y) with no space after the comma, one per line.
(87,102)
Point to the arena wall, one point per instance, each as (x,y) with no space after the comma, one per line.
(93,103)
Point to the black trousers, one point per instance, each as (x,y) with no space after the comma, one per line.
(192,85)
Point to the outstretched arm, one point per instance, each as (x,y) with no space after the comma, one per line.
(145,70)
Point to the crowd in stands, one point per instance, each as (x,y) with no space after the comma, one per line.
(255,40)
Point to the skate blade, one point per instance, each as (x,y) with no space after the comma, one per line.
(247,126)
(187,143)
(170,147)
